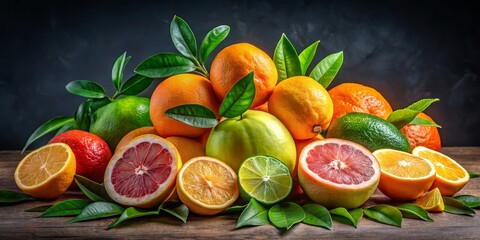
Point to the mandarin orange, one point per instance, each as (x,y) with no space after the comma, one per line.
(426,136)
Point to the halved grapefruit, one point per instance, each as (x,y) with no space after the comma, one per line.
(143,172)
(338,173)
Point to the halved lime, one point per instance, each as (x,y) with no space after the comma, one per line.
(264,178)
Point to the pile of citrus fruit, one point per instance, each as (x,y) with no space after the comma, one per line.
(251,126)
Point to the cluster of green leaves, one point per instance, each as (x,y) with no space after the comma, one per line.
(286,214)
(96,98)
(408,115)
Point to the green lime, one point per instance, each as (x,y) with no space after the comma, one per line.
(368,130)
(264,178)
(112,121)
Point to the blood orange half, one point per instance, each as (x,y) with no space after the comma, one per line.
(338,173)
(143,172)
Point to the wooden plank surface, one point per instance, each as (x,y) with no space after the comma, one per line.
(15,223)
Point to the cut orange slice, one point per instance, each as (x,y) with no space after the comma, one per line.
(431,201)
(404,176)
(46,172)
(451,177)
(207,186)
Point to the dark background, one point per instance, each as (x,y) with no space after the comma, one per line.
(406,50)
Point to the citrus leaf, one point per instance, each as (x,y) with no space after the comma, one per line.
(456,206)
(42,208)
(46,128)
(402,117)
(307,55)
(326,70)
(411,210)
(422,104)
(131,213)
(97,210)
(286,59)
(237,208)
(424,122)
(473,174)
(118,69)
(357,214)
(194,115)
(285,215)
(239,98)
(93,190)
(180,212)
(164,65)
(135,85)
(69,207)
(211,41)
(317,215)
(385,214)
(342,215)
(469,200)
(253,215)
(10,196)
(183,38)
(85,88)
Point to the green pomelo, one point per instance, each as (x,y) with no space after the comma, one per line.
(368,130)
(254,133)
(112,121)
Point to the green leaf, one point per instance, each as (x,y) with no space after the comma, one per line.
(180,212)
(424,122)
(118,69)
(82,115)
(286,59)
(46,128)
(10,196)
(131,213)
(86,89)
(344,216)
(194,115)
(385,214)
(211,41)
(42,208)
(456,206)
(183,38)
(237,208)
(411,210)
(69,126)
(469,200)
(473,174)
(239,98)
(422,104)
(285,215)
(356,214)
(307,55)
(402,117)
(317,215)
(326,70)
(69,207)
(93,190)
(135,85)
(97,210)
(164,65)
(253,215)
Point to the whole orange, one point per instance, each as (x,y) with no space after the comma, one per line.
(422,135)
(303,105)
(354,97)
(91,152)
(237,60)
(180,90)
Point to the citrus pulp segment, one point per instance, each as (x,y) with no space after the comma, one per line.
(207,186)
(264,178)
(431,201)
(451,177)
(143,172)
(404,176)
(338,173)
(46,172)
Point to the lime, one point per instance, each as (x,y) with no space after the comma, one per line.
(368,130)
(264,178)
(112,121)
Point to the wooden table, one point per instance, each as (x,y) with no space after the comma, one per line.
(16,223)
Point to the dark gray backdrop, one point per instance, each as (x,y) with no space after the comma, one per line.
(406,50)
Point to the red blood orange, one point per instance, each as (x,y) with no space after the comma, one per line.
(338,173)
(143,172)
